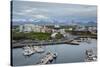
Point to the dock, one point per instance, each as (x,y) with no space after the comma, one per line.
(40,43)
(47,58)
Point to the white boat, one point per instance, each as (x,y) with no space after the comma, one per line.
(90,56)
(28,51)
(38,49)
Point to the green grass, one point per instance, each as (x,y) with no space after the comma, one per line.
(31,35)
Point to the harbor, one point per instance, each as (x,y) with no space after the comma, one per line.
(76,54)
(73,41)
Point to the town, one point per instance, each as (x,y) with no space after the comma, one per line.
(51,34)
(33,37)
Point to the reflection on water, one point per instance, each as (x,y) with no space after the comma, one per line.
(65,53)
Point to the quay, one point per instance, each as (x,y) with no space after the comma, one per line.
(48,58)
(94,37)
(22,44)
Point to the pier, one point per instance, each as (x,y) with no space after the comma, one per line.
(47,58)
(40,43)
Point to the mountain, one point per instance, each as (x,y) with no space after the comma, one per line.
(54,22)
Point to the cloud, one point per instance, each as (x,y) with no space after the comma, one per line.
(40,16)
(39,10)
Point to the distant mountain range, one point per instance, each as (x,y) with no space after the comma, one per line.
(49,22)
(87,23)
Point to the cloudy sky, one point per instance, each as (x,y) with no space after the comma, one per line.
(35,11)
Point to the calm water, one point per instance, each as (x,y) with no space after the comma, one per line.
(66,53)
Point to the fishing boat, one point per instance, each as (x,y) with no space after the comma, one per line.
(28,51)
(49,57)
(90,56)
(38,49)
